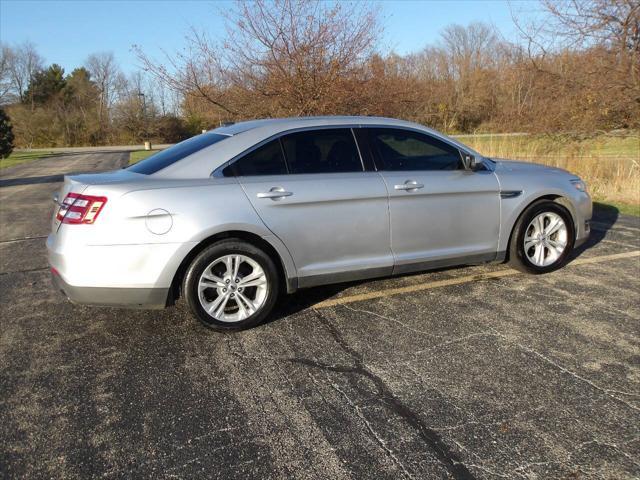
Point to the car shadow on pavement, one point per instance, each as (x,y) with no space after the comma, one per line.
(308,297)
(12,182)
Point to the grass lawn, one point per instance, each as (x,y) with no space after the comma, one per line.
(138,155)
(16,158)
(622,208)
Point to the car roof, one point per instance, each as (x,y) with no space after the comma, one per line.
(282,124)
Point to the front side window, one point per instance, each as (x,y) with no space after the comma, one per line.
(264,160)
(401,150)
(322,151)
(175,153)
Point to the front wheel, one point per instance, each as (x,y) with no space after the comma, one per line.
(231,285)
(542,239)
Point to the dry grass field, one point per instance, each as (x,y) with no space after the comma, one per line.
(610,164)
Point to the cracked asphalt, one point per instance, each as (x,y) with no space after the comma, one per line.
(462,373)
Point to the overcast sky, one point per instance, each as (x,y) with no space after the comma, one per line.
(66,32)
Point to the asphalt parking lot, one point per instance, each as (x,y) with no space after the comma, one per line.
(474,372)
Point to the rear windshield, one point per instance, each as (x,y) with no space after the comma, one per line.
(175,153)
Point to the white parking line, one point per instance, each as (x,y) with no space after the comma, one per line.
(458,281)
(617,227)
(14,240)
(620,244)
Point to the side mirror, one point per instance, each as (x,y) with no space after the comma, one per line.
(469,161)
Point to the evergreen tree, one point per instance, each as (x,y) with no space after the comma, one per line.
(6,135)
(45,85)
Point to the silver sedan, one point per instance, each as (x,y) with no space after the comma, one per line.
(234,217)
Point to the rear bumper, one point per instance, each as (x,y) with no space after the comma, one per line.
(134,276)
(112,297)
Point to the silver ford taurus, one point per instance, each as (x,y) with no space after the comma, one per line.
(231,218)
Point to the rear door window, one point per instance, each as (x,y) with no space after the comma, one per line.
(265,160)
(322,151)
(400,150)
(176,153)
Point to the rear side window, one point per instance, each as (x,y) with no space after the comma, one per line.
(175,153)
(322,151)
(265,160)
(401,150)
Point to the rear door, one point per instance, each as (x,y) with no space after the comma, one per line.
(441,214)
(311,190)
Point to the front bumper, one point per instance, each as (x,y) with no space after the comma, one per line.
(582,217)
(584,234)
(112,297)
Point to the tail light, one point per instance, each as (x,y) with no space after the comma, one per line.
(76,208)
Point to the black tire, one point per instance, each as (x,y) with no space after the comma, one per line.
(210,254)
(517,256)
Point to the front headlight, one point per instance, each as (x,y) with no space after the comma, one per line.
(579,184)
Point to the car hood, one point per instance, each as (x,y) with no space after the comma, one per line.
(515,166)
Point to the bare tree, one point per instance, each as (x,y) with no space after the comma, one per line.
(469,48)
(587,22)
(6,83)
(587,52)
(609,24)
(108,78)
(460,72)
(25,62)
(292,57)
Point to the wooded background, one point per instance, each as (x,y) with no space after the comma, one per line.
(575,71)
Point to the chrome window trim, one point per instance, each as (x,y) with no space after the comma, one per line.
(217,173)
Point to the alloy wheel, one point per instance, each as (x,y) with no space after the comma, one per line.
(545,239)
(232,288)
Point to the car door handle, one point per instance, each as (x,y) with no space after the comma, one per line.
(275,193)
(409,185)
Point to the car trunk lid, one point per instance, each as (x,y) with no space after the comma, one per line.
(79,183)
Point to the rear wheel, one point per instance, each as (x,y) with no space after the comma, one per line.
(542,238)
(231,285)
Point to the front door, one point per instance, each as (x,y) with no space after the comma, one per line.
(441,214)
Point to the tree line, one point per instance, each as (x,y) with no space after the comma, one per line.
(576,70)
(95,104)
